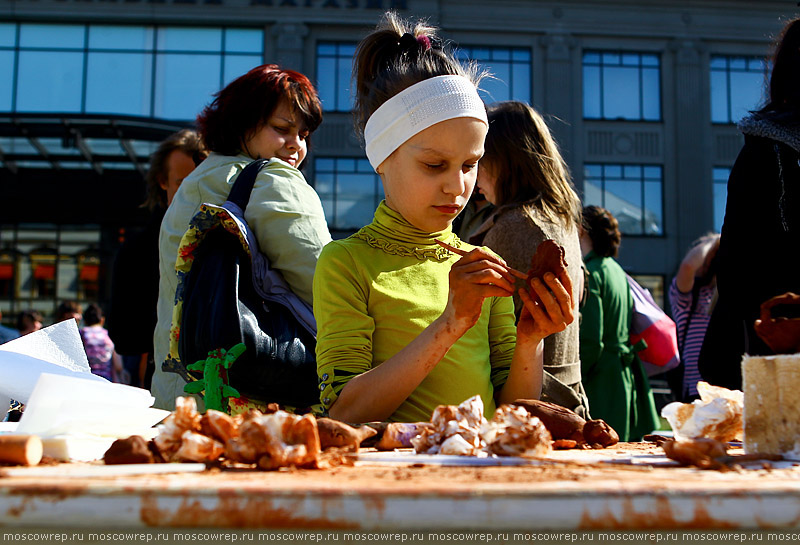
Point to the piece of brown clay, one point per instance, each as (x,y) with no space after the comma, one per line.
(781,334)
(549,257)
(333,433)
(561,422)
(600,433)
(131,450)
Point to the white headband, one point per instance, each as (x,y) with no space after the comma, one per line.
(416,108)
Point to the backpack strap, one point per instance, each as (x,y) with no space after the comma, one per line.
(243,186)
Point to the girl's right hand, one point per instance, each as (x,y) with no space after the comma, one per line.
(476,276)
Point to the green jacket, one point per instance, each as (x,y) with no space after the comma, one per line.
(613,378)
(284,212)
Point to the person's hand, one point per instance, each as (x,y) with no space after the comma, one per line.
(696,263)
(551,313)
(697,257)
(474,277)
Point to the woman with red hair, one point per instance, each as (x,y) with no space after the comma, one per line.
(268,113)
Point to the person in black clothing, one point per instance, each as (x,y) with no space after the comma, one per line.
(761,232)
(134,285)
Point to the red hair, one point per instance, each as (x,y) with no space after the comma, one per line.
(247,103)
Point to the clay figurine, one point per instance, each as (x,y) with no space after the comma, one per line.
(215,377)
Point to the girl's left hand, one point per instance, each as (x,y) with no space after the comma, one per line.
(551,313)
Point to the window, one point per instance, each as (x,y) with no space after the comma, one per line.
(720,178)
(41,265)
(632,193)
(350,191)
(510,68)
(165,72)
(737,86)
(334,68)
(621,85)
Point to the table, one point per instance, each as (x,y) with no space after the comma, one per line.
(629,486)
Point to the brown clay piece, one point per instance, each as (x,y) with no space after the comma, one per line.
(561,422)
(598,432)
(333,433)
(564,444)
(131,450)
(549,257)
(703,453)
(781,334)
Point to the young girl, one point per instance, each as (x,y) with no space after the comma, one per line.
(403,324)
(523,175)
(103,359)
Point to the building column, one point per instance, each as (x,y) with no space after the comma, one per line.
(693,194)
(288,42)
(559,91)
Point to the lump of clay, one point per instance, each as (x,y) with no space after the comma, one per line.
(196,447)
(716,415)
(333,433)
(464,420)
(276,440)
(132,450)
(398,434)
(598,432)
(561,422)
(703,453)
(457,445)
(463,430)
(170,434)
(514,432)
(270,441)
(780,333)
(219,426)
(549,257)
(568,427)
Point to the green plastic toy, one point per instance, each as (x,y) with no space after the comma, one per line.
(215,377)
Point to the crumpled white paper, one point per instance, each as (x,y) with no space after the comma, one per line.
(716,415)
(77,414)
(56,349)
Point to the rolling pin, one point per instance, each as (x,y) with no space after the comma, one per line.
(23,450)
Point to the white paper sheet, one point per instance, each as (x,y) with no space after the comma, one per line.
(56,349)
(76,413)
(73,405)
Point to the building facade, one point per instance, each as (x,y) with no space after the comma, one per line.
(642,97)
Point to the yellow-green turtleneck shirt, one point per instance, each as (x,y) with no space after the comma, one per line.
(377,290)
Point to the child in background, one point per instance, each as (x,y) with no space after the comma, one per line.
(103,359)
(67,310)
(692,295)
(403,324)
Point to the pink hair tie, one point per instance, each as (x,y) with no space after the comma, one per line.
(424,41)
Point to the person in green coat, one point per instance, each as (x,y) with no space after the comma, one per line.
(613,378)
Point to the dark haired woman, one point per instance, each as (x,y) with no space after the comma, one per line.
(615,382)
(757,257)
(134,282)
(523,174)
(267,113)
